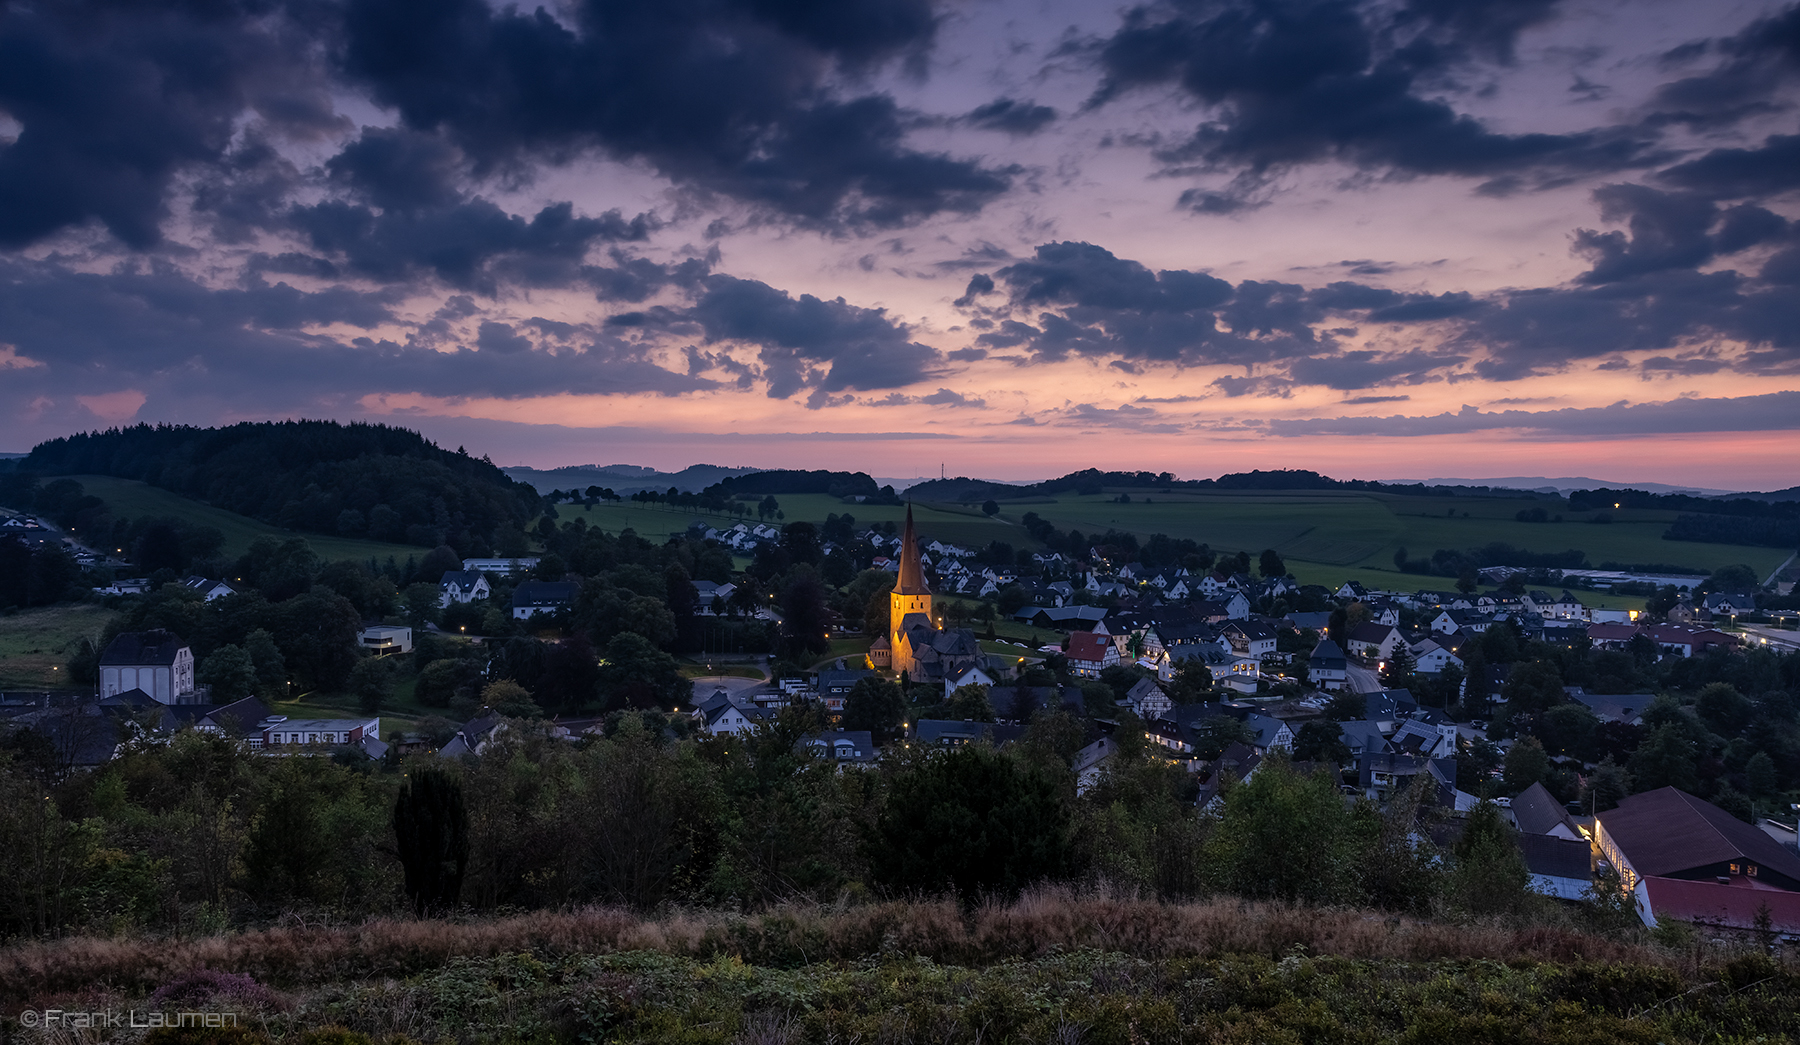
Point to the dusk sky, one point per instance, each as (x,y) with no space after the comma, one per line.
(1411,238)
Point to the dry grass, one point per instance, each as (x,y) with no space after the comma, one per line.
(1038,924)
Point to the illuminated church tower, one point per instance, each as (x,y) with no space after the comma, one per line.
(910,602)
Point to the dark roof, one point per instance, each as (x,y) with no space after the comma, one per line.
(1537,813)
(1369,631)
(1668,831)
(1326,653)
(937,730)
(142,647)
(911,579)
(544,593)
(1557,857)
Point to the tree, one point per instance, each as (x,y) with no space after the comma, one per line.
(372,681)
(1468,581)
(1217,733)
(1284,836)
(1568,729)
(1191,683)
(990,507)
(1665,759)
(969,703)
(1725,710)
(1271,565)
(1490,876)
(271,668)
(1606,787)
(1759,774)
(510,699)
(1321,742)
(1526,764)
(231,672)
(635,674)
(803,616)
(877,705)
(431,828)
(973,820)
(1346,706)
(1399,671)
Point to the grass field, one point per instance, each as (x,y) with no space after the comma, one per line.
(130,499)
(1326,537)
(35,645)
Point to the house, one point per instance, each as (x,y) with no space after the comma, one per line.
(714,597)
(1251,638)
(1612,636)
(844,746)
(836,683)
(280,731)
(1449,622)
(1090,762)
(966,675)
(384,639)
(1675,640)
(1536,812)
(475,736)
(500,566)
(1327,667)
(937,732)
(1382,773)
(1384,611)
(1147,700)
(208,589)
(730,716)
(1559,867)
(1733,903)
(1627,709)
(1352,590)
(531,598)
(1316,621)
(463,586)
(1417,737)
(1729,603)
(1668,833)
(155,661)
(1373,641)
(1432,659)
(1089,654)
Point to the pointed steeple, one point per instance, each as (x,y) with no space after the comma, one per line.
(912,578)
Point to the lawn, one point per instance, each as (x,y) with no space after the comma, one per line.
(35,645)
(130,499)
(401,713)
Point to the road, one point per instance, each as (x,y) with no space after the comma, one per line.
(1363,680)
(1773,638)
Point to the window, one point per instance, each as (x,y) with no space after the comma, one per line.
(1734,868)
(1750,870)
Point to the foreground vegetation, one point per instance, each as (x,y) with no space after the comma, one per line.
(1050,967)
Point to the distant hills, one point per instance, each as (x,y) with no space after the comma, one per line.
(623,479)
(1543,484)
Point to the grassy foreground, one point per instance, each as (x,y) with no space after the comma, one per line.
(1049,968)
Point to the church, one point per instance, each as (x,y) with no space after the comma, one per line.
(915,645)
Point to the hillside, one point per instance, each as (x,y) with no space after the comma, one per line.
(356,480)
(130,499)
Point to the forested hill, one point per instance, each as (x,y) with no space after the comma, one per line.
(1093,481)
(356,480)
(785,480)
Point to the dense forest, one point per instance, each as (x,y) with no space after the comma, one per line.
(353,480)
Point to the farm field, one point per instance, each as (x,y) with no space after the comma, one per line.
(1327,537)
(36,644)
(130,499)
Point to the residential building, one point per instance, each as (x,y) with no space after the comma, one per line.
(463,586)
(531,598)
(155,661)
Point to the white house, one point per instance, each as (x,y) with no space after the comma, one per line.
(463,586)
(154,661)
(383,639)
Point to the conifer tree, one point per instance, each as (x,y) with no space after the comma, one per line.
(432,827)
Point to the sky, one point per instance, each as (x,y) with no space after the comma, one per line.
(1001,238)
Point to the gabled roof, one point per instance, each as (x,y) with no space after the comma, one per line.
(461,579)
(1327,653)
(1554,857)
(544,593)
(1538,813)
(1668,831)
(142,647)
(911,579)
(1089,647)
(1369,631)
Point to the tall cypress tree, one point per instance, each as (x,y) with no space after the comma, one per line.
(432,826)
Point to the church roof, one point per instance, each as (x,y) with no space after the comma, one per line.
(912,578)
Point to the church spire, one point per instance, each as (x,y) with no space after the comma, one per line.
(912,577)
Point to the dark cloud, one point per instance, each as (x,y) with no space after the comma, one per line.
(1012,117)
(725,96)
(116,99)
(465,243)
(1752,65)
(1735,173)
(808,342)
(979,284)
(1301,81)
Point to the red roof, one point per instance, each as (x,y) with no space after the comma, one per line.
(1087,646)
(1612,632)
(1709,903)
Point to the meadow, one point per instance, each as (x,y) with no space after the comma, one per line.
(1326,537)
(36,644)
(130,499)
(1050,966)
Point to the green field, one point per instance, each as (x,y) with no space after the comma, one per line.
(130,499)
(35,645)
(1326,537)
